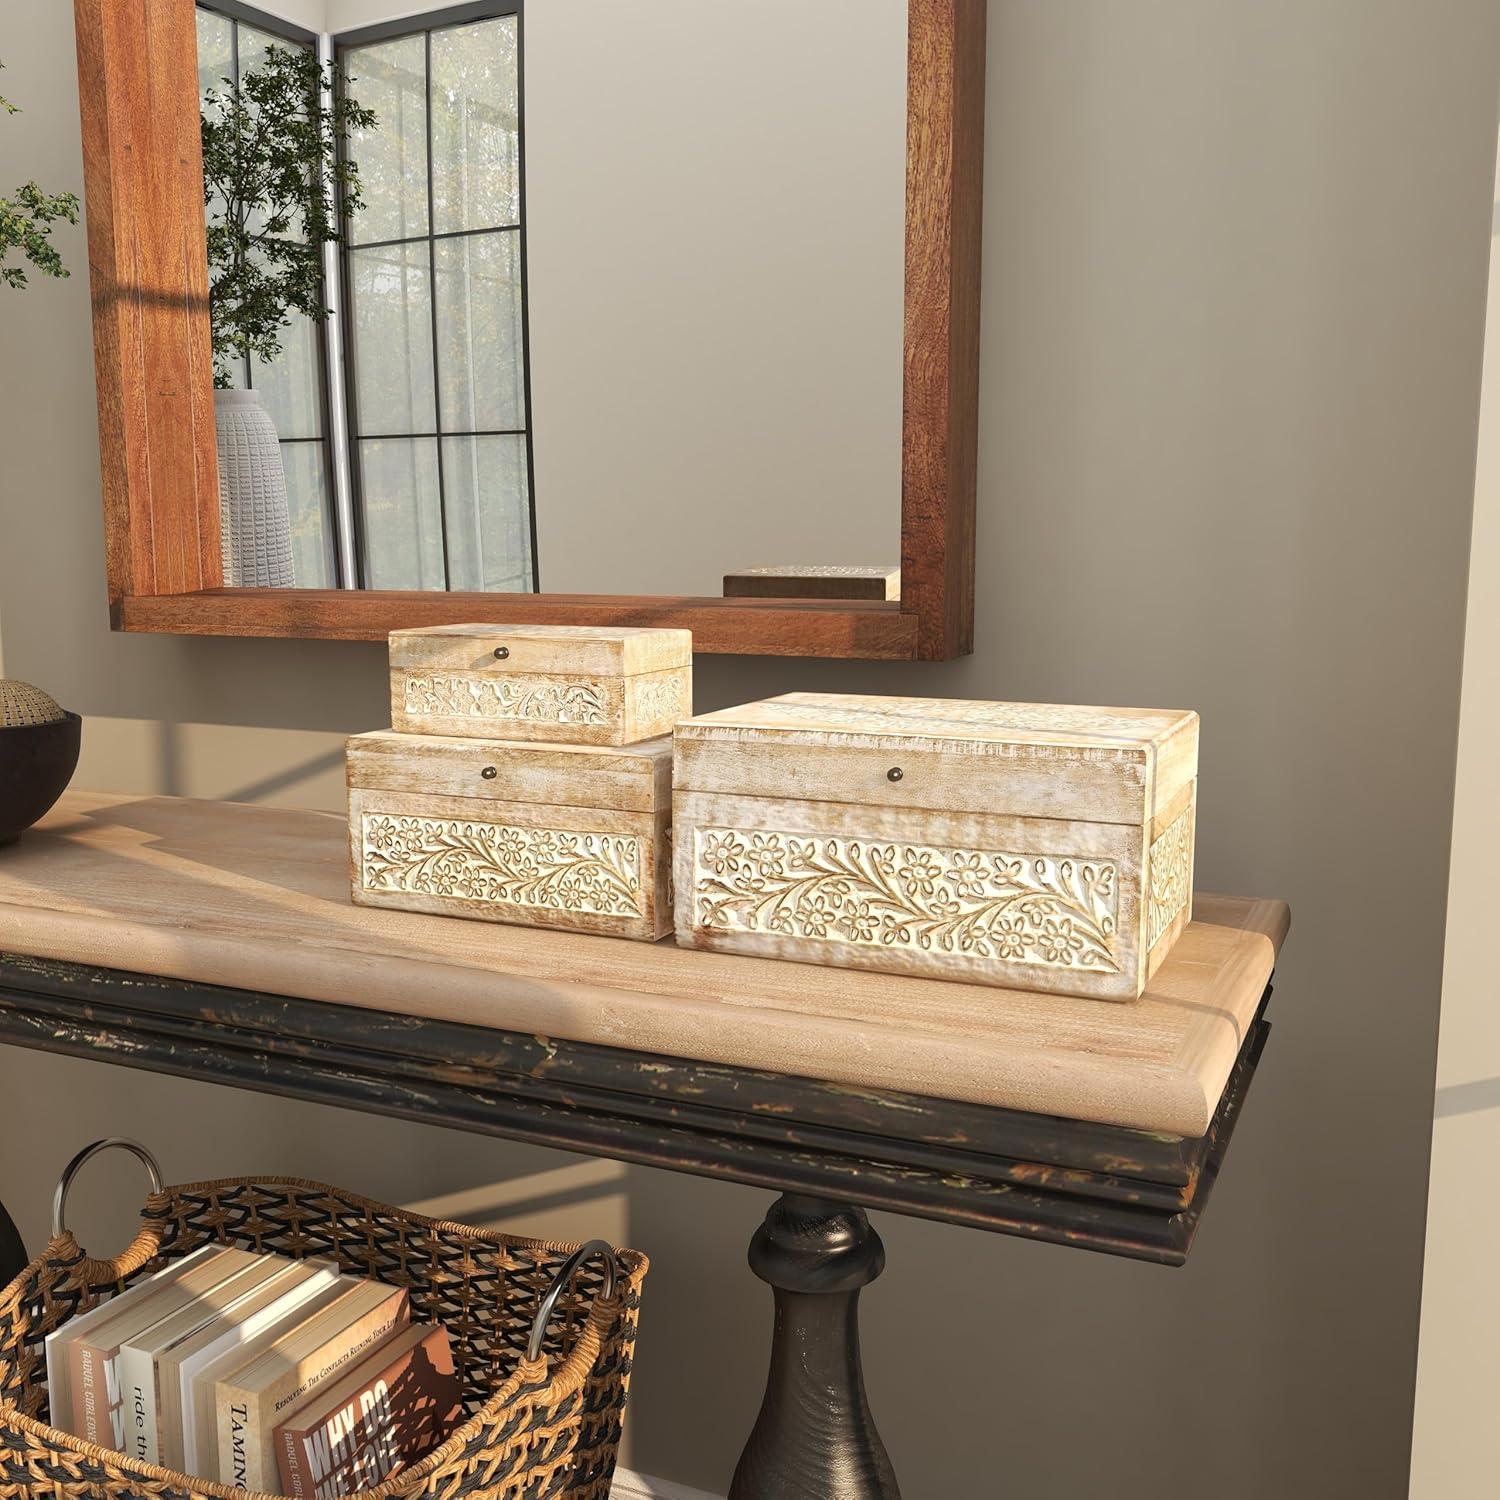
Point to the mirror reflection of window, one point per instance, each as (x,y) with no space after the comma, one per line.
(437,357)
(433,352)
(294,385)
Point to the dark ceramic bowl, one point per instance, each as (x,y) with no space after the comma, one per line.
(36,763)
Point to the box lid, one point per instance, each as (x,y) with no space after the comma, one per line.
(626,778)
(953,724)
(1039,759)
(598,651)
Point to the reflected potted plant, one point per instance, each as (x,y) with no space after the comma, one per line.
(278,186)
(38,740)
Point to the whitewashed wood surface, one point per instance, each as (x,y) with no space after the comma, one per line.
(567,836)
(1031,845)
(258,898)
(564,683)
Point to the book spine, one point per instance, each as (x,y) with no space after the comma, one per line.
(168,1417)
(94,1384)
(59,1380)
(276,1400)
(293,1479)
(81,1370)
(234,1437)
(111,1408)
(137,1372)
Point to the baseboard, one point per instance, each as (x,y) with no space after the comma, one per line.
(628,1486)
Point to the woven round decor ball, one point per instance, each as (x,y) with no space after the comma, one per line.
(20,703)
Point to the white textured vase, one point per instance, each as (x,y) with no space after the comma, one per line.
(256,523)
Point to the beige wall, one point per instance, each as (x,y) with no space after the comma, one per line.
(715,262)
(1458,1372)
(715,311)
(1234,282)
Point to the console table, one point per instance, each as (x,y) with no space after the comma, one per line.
(216,941)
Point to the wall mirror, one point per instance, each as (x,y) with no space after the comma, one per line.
(639,306)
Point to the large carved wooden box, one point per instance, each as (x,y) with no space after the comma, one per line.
(569,684)
(1034,846)
(566,836)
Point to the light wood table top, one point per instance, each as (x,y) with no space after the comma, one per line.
(257,898)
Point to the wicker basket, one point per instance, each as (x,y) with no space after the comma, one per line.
(544,1426)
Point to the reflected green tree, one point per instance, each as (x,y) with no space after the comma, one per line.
(278,187)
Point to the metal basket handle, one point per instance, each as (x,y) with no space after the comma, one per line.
(612,1271)
(560,1282)
(114,1142)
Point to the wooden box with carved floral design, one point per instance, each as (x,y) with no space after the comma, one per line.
(1034,846)
(566,684)
(566,836)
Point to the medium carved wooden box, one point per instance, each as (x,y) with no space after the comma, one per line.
(567,684)
(567,836)
(1034,846)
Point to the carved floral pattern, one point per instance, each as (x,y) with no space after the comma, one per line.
(658,698)
(472,697)
(1170,875)
(1051,911)
(597,873)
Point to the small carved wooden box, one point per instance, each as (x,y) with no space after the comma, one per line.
(1033,846)
(568,836)
(567,684)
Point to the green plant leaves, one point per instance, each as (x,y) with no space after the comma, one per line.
(277,188)
(26,220)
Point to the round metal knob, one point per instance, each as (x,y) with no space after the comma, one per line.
(501,652)
(489,773)
(894,774)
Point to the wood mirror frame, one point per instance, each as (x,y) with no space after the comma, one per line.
(143,177)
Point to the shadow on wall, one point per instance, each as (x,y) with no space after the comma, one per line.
(173,782)
(229,762)
(1466,1098)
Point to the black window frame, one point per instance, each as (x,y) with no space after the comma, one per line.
(424,24)
(239,14)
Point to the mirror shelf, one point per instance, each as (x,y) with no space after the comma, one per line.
(869,629)
(138,77)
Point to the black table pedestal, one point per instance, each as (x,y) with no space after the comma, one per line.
(815,1438)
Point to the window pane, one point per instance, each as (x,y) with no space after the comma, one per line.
(215,66)
(313,566)
(292,383)
(476,140)
(253,44)
(391,79)
(392,328)
(489,514)
(480,366)
(215,51)
(402,514)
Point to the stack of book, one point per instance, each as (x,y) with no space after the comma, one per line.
(258,1371)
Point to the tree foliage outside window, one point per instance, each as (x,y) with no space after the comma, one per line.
(26,221)
(278,187)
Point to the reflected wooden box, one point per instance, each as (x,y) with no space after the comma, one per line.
(814,581)
(566,684)
(1034,846)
